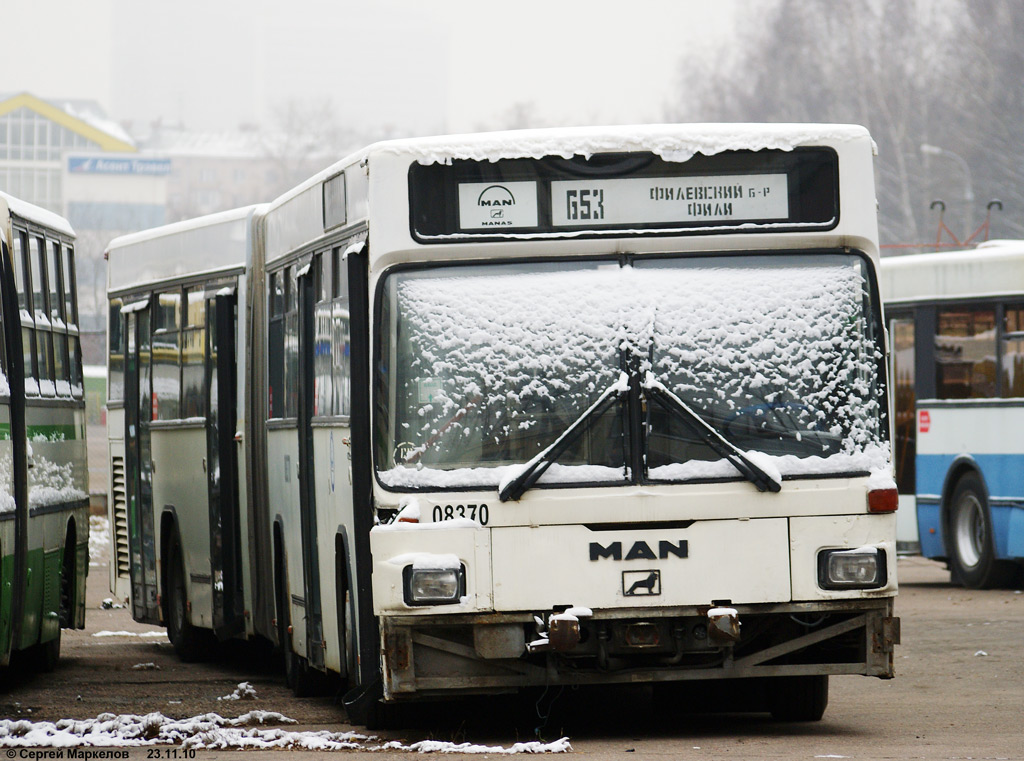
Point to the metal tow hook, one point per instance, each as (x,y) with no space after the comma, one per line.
(563,631)
(723,626)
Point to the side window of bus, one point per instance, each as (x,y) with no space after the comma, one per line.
(1013,351)
(58,325)
(69,282)
(193,360)
(965,350)
(40,295)
(291,343)
(21,270)
(275,347)
(115,352)
(28,333)
(167,355)
(341,375)
(322,362)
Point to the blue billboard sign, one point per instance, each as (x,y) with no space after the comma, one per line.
(121,165)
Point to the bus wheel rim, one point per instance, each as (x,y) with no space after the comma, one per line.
(969,531)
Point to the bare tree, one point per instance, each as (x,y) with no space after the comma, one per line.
(307,137)
(991,106)
(916,72)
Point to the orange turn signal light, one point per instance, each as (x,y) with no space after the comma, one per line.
(883,501)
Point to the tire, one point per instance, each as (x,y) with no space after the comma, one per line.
(187,639)
(383,716)
(971,546)
(299,676)
(68,586)
(303,681)
(798,698)
(45,656)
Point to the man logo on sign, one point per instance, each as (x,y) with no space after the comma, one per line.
(495,199)
(489,205)
(496,195)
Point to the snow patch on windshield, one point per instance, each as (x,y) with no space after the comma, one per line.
(874,459)
(7,503)
(405,477)
(494,364)
(51,483)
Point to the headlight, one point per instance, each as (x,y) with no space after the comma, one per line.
(862,568)
(433,586)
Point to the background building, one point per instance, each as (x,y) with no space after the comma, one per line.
(35,134)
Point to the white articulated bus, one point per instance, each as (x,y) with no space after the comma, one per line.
(551,407)
(44,490)
(957,324)
(175,406)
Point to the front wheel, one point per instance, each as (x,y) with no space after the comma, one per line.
(972,554)
(798,698)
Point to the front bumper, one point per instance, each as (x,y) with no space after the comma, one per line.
(466,653)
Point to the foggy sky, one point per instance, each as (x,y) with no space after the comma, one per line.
(398,65)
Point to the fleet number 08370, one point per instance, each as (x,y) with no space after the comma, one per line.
(478,513)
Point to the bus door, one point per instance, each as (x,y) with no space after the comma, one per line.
(307,473)
(139,403)
(222,466)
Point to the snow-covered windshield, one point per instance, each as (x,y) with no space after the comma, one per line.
(483,366)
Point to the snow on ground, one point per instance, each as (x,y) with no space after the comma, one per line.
(99,538)
(244,691)
(214,731)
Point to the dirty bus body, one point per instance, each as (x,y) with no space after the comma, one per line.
(557,407)
(629,411)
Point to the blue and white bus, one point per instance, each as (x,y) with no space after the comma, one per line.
(956,322)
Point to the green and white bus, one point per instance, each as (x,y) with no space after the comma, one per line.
(509,410)
(44,493)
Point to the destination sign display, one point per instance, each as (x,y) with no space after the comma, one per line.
(667,200)
(632,193)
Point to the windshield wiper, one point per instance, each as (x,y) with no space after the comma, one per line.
(659,393)
(534,469)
